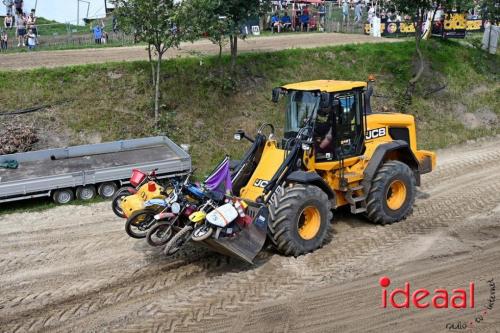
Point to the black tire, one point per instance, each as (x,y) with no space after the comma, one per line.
(159,234)
(117,198)
(178,241)
(381,208)
(202,232)
(287,213)
(86,193)
(63,196)
(107,190)
(139,222)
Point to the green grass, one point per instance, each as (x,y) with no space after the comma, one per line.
(113,101)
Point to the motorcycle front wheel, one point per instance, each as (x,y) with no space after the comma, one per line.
(138,223)
(202,232)
(159,234)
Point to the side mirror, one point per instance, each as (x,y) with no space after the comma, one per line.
(276,95)
(325,100)
(239,135)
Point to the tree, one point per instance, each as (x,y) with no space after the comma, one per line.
(162,24)
(222,19)
(238,12)
(490,11)
(416,10)
(209,20)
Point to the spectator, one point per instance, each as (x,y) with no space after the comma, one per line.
(115,24)
(306,10)
(32,41)
(31,21)
(322,12)
(20,30)
(358,12)
(304,21)
(4,41)
(345,12)
(275,22)
(19,6)
(286,21)
(8,22)
(8,6)
(371,14)
(104,38)
(97,34)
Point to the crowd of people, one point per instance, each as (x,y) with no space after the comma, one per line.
(22,23)
(303,20)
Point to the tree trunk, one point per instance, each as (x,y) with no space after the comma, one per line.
(421,65)
(151,63)
(234,50)
(221,65)
(157,91)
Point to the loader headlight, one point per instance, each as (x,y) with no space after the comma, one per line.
(240,134)
(306,147)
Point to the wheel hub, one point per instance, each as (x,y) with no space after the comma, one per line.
(309,222)
(396,195)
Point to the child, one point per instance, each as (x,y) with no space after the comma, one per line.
(4,40)
(32,40)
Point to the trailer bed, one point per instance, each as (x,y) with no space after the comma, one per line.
(47,170)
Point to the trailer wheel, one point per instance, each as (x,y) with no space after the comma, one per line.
(107,190)
(63,196)
(86,192)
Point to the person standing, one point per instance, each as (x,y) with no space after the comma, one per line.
(345,12)
(97,34)
(20,30)
(8,6)
(31,40)
(18,4)
(358,12)
(31,22)
(8,22)
(4,41)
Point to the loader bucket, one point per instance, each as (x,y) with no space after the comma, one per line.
(248,242)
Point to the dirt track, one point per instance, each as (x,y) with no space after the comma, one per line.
(118,54)
(75,269)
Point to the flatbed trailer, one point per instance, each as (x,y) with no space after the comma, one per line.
(63,173)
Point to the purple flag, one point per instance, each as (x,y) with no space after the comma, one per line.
(220,176)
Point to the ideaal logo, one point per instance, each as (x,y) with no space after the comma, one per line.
(440,298)
(422,298)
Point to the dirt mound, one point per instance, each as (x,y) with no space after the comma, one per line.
(17,138)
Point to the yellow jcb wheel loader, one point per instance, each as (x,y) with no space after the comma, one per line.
(333,154)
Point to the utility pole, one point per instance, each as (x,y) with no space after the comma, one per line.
(105,8)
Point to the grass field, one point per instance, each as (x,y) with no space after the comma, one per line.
(113,101)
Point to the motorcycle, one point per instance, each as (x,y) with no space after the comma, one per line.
(138,180)
(162,211)
(195,220)
(222,220)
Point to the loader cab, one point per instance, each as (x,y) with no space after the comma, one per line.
(337,118)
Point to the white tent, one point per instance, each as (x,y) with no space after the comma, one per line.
(66,10)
